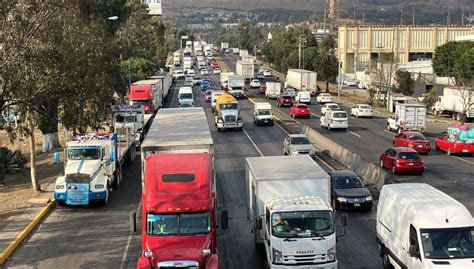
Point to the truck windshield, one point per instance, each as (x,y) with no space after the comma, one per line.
(448,243)
(264,113)
(302,224)
(139,103)
(178,224)
(125,118)
(186,96)
(229,106)
(83,154)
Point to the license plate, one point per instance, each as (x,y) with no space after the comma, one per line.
(356,205)
(411,164)
(420,146)
(464,150)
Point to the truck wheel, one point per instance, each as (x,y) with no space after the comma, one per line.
(61,203)
(105,202)
(386,261)
(218,129)
(329,127)
(241,128)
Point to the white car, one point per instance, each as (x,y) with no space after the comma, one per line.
(334,119)
(190,72)
(290,92)
(255,83)
(267,73)
(362,110)
(178,74)
(217,70)
(329,106)
(204,71)
(324,97)
(197,81)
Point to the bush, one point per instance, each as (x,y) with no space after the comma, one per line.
(12,160)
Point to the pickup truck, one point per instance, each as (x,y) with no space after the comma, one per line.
(453,147)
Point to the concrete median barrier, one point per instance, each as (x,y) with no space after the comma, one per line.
(371,174)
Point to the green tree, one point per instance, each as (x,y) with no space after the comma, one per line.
(327,64)
(139,68)
(405,82)
(244,34)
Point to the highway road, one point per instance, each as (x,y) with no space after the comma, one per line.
(99,237)
(369,138)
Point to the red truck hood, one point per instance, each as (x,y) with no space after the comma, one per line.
(178,248)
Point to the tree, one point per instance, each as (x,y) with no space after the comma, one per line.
(139,68)
(244,34)
(405,82)
(327,65)
(455,60)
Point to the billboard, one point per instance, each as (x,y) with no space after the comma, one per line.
(154,7)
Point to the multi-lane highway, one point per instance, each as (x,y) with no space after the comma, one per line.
(98,237)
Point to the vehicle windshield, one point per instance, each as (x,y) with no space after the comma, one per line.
(325,95)
(139,103)
(229,106)
(178,224)
(302,224)
(448,243)
(347,182)
(333,106)
(365,107)
(409,155)
(186,96)
(339,115)
(83,153)
(300,141)
(416,137)
(125,119)
(264,112)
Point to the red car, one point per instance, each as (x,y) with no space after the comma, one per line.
(450,147)
(284,100)
(262,89)
(214,65)
(412,140)
(300,110)
(402,160)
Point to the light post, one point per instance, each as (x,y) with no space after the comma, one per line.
(181,41)
(115,18)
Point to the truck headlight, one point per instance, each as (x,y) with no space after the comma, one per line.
(277,256)
(220,121)
(331,254)
(240,119)
(99,186)
(59,187)
(342,199)
(295,152)
(368,198)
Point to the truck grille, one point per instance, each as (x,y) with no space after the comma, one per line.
(305,259)
(303,152)
(230,118)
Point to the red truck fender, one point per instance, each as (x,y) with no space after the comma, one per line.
(212,262)
(143,263)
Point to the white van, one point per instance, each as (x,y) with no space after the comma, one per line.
(419,227)
(334,119)
(303,97)
(185,96)
(263,114)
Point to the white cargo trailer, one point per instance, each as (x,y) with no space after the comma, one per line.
(245,69)
(456,102)
(302,80)
(408,117)
(289,207)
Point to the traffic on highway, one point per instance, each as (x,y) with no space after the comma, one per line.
(223,163)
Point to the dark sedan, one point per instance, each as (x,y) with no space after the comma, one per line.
(348,191)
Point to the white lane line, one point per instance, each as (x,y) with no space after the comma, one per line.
(129,239)
(279,126)
(253,143)
(354,134)
(461,159)
(315,115)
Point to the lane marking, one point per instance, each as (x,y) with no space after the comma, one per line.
(354,133)
(130,237)
(461,159)
(253,143)
(332,168)
(315,115)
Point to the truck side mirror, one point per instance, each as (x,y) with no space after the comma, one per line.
(412,251)
(259,223)
(224,219)
(344,219)
(133,221)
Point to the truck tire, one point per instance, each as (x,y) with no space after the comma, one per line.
(388,127)
(218,129)
(61,203)
(241,128)
(105,202)
(117,179)
(386,261)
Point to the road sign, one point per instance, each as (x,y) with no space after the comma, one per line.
(154,7)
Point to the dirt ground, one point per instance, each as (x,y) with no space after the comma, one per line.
(18,189)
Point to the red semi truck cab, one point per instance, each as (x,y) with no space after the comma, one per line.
(141,95)
(179,215)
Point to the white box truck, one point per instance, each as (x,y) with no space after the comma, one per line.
(224,46)
(290,212)
(421,227)
(302,80)
(224,79)
(408,117)
(236,86)
(456,102)
(262,113)
(245,69)
(166,80)
(187,63)
(273,90)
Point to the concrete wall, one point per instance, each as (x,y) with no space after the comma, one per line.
(370,173)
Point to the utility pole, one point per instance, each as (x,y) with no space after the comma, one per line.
(325,15)
(401,14)
(413,15)
(462,15)
(363,17)
(448,18)
(301,43)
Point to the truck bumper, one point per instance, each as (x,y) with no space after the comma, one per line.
(264,122)
(226,125)
(332,265)
(93,196)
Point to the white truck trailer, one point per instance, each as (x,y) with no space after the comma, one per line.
(245,69)
(224,46)
(302,80)
(224,79)
(94,167)
(459,103)
(187,63)
(166,80)
(243,53)
(290,212)
(273,90)
(408,117)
